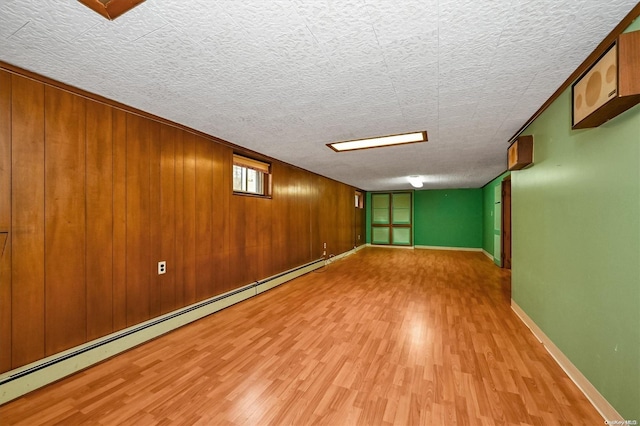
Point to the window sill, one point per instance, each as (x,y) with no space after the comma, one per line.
(250,194)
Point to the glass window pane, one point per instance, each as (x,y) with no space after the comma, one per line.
(244,179)
(401,216)
(381,216)
(402,236)
(401,201)
(380,235)
(237,178)
(401,208)
(260,183)
(251,180)
(380,201)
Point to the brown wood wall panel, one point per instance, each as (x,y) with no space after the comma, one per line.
(118,192)
(263,227)
(65,224)
(278,218)
(27,220)
(204,219)
(304,216)
(155,224)
(5,221)
(167,282)
(179,219)
(189,223)
(314,220)
(119,251)
(222,189)
(100,220)
(138,216)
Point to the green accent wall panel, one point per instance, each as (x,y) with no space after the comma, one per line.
(576,246)
(448,218)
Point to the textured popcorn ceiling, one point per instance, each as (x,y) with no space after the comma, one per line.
(285,77)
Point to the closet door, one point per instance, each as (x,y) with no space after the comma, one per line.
(401,219)
(381,218)
(391,218)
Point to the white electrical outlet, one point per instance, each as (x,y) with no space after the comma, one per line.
(162,267)
(324,245)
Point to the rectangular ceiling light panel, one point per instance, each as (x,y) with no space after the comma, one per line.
(379,142)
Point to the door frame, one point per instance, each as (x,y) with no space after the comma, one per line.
(391,225)
(506,225)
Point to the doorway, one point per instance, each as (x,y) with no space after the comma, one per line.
(506,223)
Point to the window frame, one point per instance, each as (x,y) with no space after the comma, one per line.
(245,164)
(359,199)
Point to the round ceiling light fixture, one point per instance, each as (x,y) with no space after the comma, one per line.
(415,181)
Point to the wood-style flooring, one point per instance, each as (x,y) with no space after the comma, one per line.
(384,336)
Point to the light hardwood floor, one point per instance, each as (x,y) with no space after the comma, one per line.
(384,336)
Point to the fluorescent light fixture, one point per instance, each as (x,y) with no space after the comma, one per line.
(379,141)
(415,181)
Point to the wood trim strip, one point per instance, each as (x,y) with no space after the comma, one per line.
(97,7)
(251,163)
(602,47)
(134,111)
(5,221)
(111,9)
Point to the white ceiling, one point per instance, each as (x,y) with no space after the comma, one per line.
(285,77)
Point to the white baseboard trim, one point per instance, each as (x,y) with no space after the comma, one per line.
(449,248)
(489,255)
(360,247)
(18,382)
(391,246)
(606,410)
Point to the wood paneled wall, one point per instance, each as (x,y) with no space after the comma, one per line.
(93,196)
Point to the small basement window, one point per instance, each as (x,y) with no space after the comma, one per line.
(250,177)
(359,200)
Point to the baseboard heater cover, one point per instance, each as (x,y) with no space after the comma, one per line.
(23,380)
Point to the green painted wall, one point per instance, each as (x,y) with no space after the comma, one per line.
(448,218)
(489,229)
(576,246)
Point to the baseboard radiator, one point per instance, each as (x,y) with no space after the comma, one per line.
(23,380)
